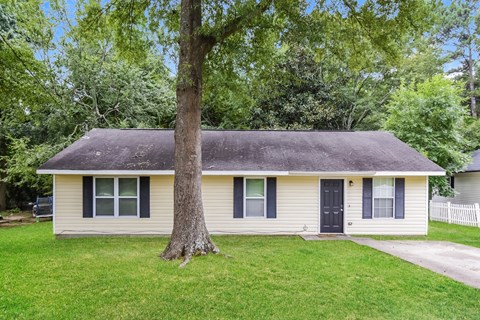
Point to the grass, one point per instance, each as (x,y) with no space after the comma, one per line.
(441,231)
(267,278)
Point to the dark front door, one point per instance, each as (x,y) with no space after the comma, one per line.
(331,205)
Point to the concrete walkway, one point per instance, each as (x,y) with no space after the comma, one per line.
(459,262)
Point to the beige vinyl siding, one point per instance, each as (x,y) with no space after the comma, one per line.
(297,206)
(467,189)
(69,219)
(415,210)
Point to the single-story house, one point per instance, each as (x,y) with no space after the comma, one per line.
(466,184)
(120,181)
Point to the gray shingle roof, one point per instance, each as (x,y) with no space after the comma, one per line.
(475,164)
(321,151)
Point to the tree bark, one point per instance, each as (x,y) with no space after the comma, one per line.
(471,83)
(3,185)
(3,196)
(190,235)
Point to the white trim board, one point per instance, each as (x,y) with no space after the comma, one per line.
(54,209)
(427,208)
(367,173)
(247,173)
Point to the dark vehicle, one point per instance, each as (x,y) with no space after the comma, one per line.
(43,207)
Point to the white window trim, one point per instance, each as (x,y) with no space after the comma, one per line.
(116,197)
(373,199)
(264,198)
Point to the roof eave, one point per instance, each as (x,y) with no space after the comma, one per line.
(245,173)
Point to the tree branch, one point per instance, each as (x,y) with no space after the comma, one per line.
(223,32)
(29,71)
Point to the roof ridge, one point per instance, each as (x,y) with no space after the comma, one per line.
(245,130)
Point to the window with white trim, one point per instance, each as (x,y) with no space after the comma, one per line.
(255,204)
(383,197)
(116,197)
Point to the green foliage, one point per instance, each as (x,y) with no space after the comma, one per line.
(247,82)
(471,131)
(306,93)
(22,76)
(226,100)
(422,60)
(460,25)
(234,72)
(24,81)
(359,35)
(430,118)
(110,92)
(21,162)
(363,33)
(13,211)
(459,31)
(125,28)
(296,97)
(107,85)
(50,98)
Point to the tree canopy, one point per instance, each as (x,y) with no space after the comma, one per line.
(429,117)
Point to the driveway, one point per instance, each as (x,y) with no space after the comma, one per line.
(459,262)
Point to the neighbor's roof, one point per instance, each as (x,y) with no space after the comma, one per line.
(474,166)
(233,151)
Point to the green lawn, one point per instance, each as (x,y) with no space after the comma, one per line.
(267,278)
(445,232)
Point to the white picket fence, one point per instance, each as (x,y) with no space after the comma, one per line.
(464,214)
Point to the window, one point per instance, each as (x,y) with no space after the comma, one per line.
(116,197)
(452,182)
(104,197)
(383,197)
(255,203)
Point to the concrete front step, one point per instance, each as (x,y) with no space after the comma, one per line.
(329,236)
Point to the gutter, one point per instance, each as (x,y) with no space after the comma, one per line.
(246,173)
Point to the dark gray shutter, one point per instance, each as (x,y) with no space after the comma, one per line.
(271,198)
(238,197)
(87,197)
(367,198)
(144,197)
(399,198)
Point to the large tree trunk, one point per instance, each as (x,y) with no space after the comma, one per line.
(190,235)
(471,83)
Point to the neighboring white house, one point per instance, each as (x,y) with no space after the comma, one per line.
(466,184)
(120,181)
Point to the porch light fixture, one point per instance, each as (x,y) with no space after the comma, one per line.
(350,183)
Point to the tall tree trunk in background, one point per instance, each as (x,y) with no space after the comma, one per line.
(190,235)
(471,83)
(3,185)
(3,196)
